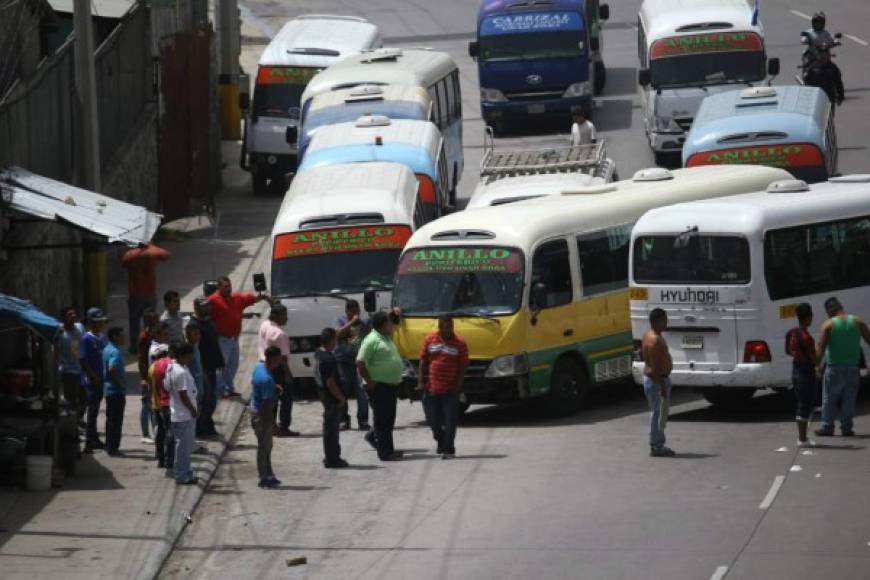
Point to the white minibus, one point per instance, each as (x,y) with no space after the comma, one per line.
(339,233)
(730,272)
(414,67)
(303,46)
(688,50)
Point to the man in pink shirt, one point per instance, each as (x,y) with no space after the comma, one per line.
(272,334)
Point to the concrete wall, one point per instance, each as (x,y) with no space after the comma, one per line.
(131,175)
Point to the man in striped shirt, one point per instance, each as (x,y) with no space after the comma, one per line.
(443,359)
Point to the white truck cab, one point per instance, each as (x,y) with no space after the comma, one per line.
(689,51)
(302,48)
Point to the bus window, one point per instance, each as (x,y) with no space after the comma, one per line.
(816,258)
(445,102)
(691,258)
(552,267)
(437,106)
(457,93)
(604,259)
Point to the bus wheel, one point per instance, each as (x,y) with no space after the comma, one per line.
(567,389)
(600,78)
(730,398)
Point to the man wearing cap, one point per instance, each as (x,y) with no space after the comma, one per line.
(212,361)
(91,357)
(226,312)
(272,333)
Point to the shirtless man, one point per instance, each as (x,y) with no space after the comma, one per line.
(656,382)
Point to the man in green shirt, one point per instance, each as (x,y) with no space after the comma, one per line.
(380,366)
(840,349)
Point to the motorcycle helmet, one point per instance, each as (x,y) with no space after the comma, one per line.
(818,21)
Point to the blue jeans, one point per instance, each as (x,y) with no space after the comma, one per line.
(230,351)
(352,384)
(442,414)
(183,432)
(839,392)
(659,409)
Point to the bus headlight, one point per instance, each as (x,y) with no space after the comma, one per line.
(583,89)
(508,366)
(492,96)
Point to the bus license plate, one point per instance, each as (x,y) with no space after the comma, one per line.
(537,109)
(693,342)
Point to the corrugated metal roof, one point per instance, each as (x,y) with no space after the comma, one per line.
(100,8)
(117,221)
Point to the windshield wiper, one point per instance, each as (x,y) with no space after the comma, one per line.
(467,314)
(306,294)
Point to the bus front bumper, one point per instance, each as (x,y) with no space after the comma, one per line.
(478,388)
(533,108)
(754,375)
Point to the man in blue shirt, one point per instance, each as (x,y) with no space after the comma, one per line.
(352,329)
(263,413)
(114,388)
(91,359)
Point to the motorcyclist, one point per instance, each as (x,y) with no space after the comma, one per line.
(826,75)
(816,36)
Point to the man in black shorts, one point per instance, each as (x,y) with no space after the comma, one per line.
(801,347)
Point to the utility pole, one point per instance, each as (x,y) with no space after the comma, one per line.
(86,97)
(88,132)
(229,40)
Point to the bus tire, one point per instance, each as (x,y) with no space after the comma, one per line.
(600,78)
(730,398)
(568,388)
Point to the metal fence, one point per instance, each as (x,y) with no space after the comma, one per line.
(38,117)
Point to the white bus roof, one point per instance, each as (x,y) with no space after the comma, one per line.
(666,18)
(318,40)
(522,187)
(364,131)
(524,223)
(371,93)
(754,213)
(385,66)
(388,190)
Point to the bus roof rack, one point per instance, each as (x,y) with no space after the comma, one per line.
(589,159)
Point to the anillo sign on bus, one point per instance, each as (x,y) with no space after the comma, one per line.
(338,240)
(702,43)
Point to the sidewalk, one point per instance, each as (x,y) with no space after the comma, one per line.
(119,517)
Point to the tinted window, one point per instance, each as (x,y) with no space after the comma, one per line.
(437,106)
(604,259)
(817,258)
(691,259)
(552,267)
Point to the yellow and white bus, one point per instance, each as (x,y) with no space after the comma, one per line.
(539,288)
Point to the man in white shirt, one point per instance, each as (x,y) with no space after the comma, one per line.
(582,131)
(181,387)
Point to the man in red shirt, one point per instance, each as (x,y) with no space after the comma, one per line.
(443,360)
(799,344)
(141,265)
(226,316)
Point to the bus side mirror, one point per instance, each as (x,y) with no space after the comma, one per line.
(474,49)
(370,300)
(643,77)
(604,12)
(773,67)
(244,101)
(209,287)
(594,44)
(838,35)
(537,300)
(291,134)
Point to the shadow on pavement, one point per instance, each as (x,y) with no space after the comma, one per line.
(694,455)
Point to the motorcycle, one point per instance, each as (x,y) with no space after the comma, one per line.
(811,52)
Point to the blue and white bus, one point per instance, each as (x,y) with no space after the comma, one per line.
(347,105)
(538,58)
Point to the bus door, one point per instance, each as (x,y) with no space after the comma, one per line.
(692,278)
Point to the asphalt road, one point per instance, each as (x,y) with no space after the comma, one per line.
(529,497)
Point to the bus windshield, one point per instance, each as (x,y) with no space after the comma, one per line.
(531,35)
(279,89)
(348,112)
(462,280)
(350,259)
(690,258)
(707,59)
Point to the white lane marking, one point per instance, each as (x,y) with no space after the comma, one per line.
(771,494)
(858,40)
(721,571)
(796,468)
(800,14)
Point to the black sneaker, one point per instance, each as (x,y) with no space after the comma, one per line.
(98,445)
(439,451)
(287,433)
(448,455)
(661,452)
(370,439)
(848,433)
(267,483)
(394,456)
(337,464)
(191,481)
(824,432)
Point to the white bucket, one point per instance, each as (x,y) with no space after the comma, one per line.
(39,472)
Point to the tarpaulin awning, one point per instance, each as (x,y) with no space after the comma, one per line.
(115,220)
(23,312)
